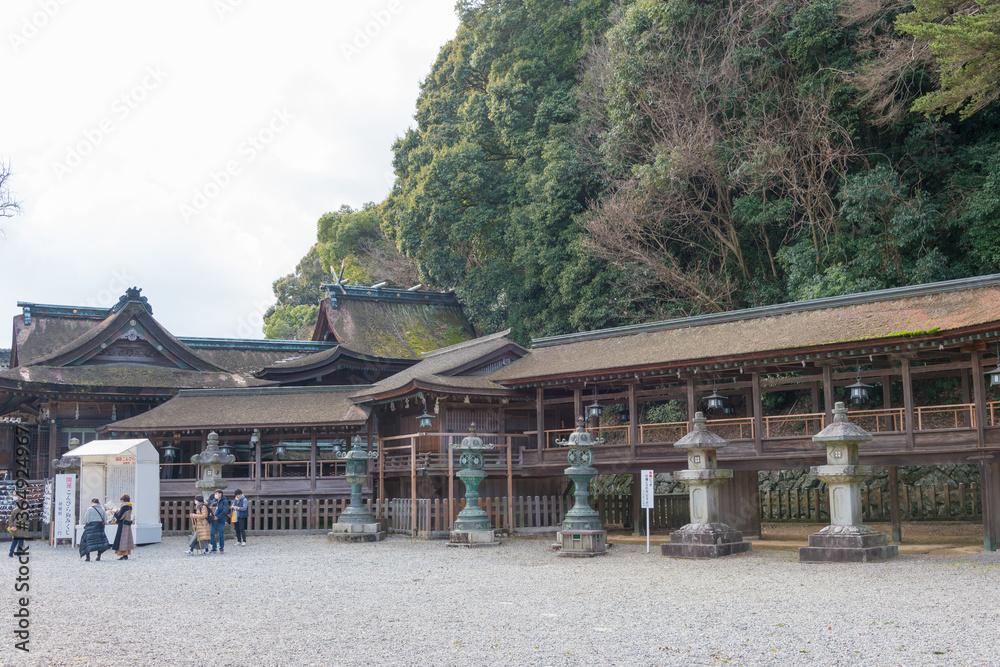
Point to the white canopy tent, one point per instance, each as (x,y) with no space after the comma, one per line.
(110,468)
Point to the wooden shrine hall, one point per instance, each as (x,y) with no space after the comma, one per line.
(915,364)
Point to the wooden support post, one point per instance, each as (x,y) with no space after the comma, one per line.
(257,467)
(979,391)
(814,396)
(758,419)
(510,485)
(577,404)
(451,488)
(312,464)
(964,383)
(739,503)
(540,417)
(638,516)
(886,391)
(692,403)
(897,531)
(989,474)
(633,420)
(381,478)
(907,401)
(413,483)
(53,439)
(828,392)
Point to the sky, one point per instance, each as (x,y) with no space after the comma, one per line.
(189,147)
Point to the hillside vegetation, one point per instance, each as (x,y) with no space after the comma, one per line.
(584,164)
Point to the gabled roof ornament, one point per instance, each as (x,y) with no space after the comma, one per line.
(132,294)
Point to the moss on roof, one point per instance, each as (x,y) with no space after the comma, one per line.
(398,329)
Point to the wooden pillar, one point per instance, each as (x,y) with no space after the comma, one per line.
(964,382)
(577,404)
(886,391)
(540,418)
(257,473)
(638,515)
(814,396)
(989,476)
(907,401)
(897,531)
(312,464)
(979,396)
(510,485)
(53,425)
(413,483)
(828,392)
(758,418)
(633,420)
(692,403)
(381,479)
(451,487)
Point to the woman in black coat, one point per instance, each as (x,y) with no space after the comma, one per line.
(94,538)
(123,543)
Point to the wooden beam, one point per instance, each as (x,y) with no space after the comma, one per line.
(966,392)
(540,418)
(692,404)
(887,391)
(758,419)
(979,396)
(413,485)
(904,364)
(897,531)
(510,486)
(814,396)
(633,420)
(828,393)
(312,464)
(577,404)
(451,484)
(989,475)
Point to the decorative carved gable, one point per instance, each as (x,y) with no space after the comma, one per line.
(130,351)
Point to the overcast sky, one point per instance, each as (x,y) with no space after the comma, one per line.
(190,146)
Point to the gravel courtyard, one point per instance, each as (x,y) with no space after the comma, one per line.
(297,600)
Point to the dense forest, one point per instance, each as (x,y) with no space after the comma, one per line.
(579,164)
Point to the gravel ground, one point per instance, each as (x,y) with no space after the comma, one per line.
(297,600)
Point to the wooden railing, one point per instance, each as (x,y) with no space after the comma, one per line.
(931,417)
(776,426)
(916,503)
(887,420)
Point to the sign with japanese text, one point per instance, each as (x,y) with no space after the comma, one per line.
(65,517)
(47,502)
(648,488)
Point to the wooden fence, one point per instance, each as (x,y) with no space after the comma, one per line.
(916,503)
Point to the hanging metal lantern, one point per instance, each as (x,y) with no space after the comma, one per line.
(859,390)
(279,450)
(170,452)
(226,448)
(425,419)
(995,373)
(715,401)
(595,409)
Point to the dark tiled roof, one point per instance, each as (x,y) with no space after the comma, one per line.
(891,314)
(46,334)
(434,369)
(247,361)
(394,323)
(251,408)
(124,375)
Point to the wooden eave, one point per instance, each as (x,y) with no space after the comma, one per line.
(416,385)
(111,329)
(812,355)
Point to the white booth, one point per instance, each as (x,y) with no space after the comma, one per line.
(110,468)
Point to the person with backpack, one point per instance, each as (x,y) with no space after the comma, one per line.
(94,538)
(218,513)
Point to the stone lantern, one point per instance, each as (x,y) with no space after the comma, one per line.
(68,465)
(846,539)
(705,536)
(472,526)
(356,523)
(582,535)
(212,460)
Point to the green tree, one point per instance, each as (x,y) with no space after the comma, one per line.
(964,36)
(289,322)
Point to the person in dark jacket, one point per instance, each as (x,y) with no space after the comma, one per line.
(217,519)
(94,538)
(124,542)
(242,507)
(17,524)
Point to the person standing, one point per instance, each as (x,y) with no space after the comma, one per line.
(93,538)
(217,518)
(17,524)
(199,521)
(124,542)
(242,508)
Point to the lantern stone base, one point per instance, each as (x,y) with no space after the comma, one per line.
(847,544)
(355,532)
(707,540)
(472,539)
(582,543)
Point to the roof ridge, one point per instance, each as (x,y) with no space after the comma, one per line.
(263,391)
(466,343)
(892,293)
